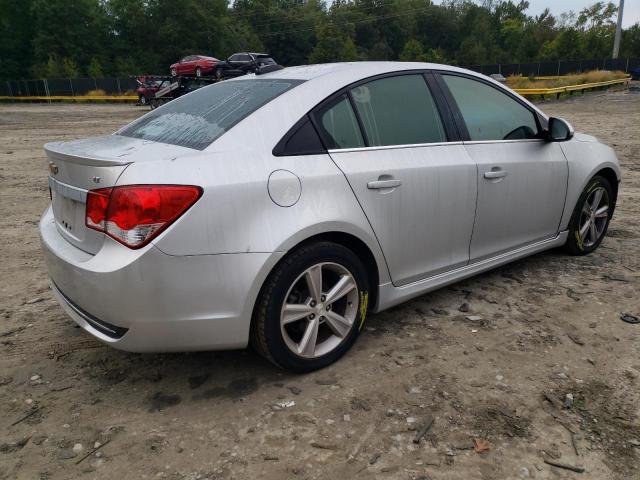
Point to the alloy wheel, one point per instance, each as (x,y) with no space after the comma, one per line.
(319,310)
(594,216)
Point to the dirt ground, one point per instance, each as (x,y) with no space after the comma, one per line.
(548,326)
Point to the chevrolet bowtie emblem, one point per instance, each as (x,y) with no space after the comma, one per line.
(53,168)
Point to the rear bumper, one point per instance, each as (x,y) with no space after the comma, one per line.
(147,301)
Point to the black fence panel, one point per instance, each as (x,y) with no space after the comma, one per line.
(588,65)
(128,85)
(111,86)
(508,69)
(529,69)
(60,86)
(562,67)
(568,66)
(546,69)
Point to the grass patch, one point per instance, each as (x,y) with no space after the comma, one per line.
(92,93)
(518,81)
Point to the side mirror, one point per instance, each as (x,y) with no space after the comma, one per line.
(559,130)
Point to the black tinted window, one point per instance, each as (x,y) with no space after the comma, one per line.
(398,111)
(197,119)
(489,113)
(340,126)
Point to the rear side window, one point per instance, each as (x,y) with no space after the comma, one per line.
(489,113)
(197,119)
(340,125)
(398,111)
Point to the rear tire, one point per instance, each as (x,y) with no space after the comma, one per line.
(590,219)
(303,328)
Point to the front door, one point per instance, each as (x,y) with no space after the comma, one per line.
(417,191)
(522,179)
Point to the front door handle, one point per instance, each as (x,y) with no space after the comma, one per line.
(495,174)
(378,184)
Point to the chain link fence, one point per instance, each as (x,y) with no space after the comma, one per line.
(67,86)
(127,85)
(561,67)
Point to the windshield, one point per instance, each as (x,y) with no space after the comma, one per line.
(197,119)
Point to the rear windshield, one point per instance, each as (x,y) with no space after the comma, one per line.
(197,119)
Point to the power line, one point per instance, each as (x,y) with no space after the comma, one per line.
(355,22)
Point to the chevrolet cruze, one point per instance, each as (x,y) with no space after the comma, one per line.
(279,210)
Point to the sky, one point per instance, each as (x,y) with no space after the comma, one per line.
(630,15)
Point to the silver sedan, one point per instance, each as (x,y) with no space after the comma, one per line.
(281,209)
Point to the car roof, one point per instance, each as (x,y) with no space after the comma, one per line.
(357,69)
(317,83)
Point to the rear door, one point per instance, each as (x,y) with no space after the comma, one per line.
(417,188)
(522,179)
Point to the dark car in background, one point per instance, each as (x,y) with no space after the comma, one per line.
(242,63)
(147,88)
(197,65)
(635,73)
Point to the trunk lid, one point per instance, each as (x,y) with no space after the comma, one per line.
(79,166)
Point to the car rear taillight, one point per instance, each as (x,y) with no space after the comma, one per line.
(135,214)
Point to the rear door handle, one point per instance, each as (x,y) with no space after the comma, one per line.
(495,174)
(378,184)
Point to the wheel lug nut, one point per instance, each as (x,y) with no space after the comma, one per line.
(323,298)
(312,316)
(328,307)
(313,304)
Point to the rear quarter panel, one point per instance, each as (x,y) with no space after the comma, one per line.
(236,213)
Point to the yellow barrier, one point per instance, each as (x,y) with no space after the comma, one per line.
(133,98)
(68,98)
(570,88)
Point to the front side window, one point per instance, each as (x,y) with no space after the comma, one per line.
(197,119)
(340,125)
(398,111)
(489,113)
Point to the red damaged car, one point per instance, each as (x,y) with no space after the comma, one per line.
(147,88)
(197,65)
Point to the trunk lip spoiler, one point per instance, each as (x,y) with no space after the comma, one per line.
(55,152)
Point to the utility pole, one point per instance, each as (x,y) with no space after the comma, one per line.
(616,41)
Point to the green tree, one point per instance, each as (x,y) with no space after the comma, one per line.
(348,53)
(94,70)
(412,52)
(16,33)
(52,68)
(70,68)
(329,44)
(631,41)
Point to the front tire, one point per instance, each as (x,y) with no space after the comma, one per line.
(174,72)
(591,216)
(311,308)
(142,100)
(198,72)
